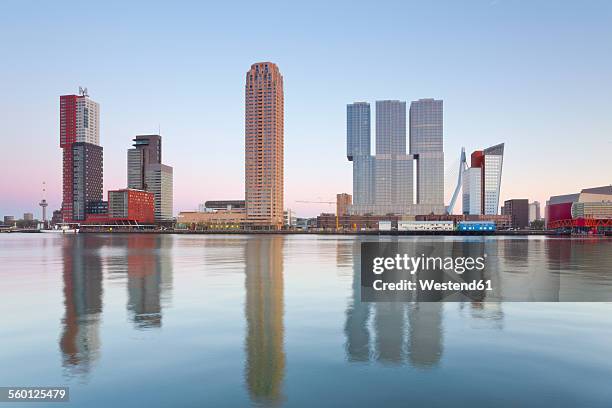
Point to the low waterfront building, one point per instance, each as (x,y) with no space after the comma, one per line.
(502,222)
(354,222)
(584,211)
(131,205)
(226,219)
(425,225)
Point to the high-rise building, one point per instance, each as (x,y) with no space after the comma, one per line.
(145,171)
(82,155)
(87,188)
(472,191)
(343,201)
(383,183)
(427,146)
(158,179)
(518,210)
(390,127)
(492,173)
(147,150)
(264,146)
(358,128)
(488,163)
(358,146)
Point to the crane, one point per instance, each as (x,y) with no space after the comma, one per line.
(322,202)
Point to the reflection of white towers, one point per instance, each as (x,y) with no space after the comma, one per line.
(392,332)
(43,204)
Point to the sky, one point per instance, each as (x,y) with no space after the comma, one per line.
(536,75)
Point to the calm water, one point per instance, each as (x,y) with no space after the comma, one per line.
(152,320)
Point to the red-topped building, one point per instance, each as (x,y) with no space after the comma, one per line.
(82,173)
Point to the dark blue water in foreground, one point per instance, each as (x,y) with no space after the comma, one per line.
(160,321)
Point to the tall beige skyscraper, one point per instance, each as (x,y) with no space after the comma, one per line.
(264,146)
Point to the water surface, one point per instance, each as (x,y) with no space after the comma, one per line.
(173,320)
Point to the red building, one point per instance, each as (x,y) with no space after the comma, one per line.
(131,205)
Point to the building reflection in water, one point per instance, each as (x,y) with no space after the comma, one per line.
(149,270)
(82,274)
(401,332)
(264,309)
(148,263)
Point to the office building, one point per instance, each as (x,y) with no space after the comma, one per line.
(159,181)
(534,211)
(357,130)
(488,163)
(518,210)
(87,176)
(358,146)
(28,217)
(472,191)
(390,127)
(145,171)
(264,146)
(131,205)
(427,146)
(82,154)
(383,183)
(343,202)
(147,150)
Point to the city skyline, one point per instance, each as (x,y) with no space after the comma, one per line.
(514,83)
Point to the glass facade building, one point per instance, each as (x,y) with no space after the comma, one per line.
(390,127)
(482,181)
(357,130)
(384,183)
(427,145)
(472,187)
(492,173)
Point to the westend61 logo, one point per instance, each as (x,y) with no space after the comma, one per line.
(425,271)
(413,264)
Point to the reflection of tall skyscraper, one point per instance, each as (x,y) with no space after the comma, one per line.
(357,344)
(82,273)
(389,322)
(426,330)
(264,145)
(144,279)
(401,332)
(264,309)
